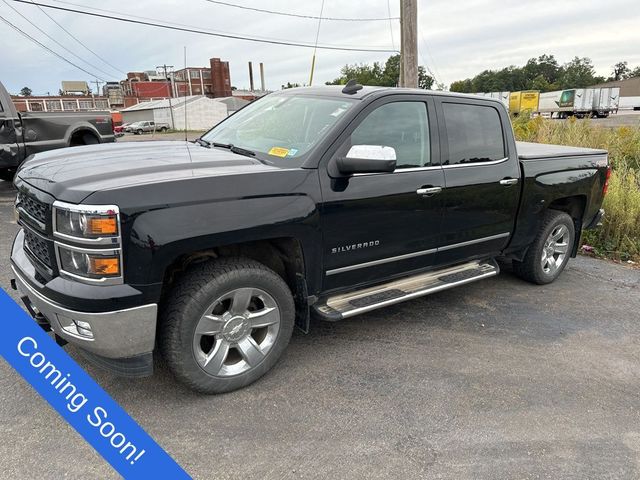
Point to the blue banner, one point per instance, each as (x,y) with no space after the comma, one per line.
(79,399)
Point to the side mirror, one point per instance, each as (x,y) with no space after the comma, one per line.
(367,159)
(30,136)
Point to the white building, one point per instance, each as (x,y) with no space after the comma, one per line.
(202,112)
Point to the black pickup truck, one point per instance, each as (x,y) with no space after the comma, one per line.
(23,134)
(323,201)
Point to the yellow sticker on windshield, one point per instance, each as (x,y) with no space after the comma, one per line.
(279,152)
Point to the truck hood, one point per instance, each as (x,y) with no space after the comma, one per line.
(72,174)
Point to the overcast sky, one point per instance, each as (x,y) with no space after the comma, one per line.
(456,39)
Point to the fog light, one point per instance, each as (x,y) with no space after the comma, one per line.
(83,328)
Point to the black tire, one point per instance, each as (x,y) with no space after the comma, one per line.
(163,129)
(531,268)
(88,139)
(138,132)
(188,302)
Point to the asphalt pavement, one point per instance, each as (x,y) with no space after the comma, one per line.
(499,379)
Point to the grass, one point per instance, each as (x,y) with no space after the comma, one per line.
(619,237)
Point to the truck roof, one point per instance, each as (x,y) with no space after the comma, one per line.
(371,91)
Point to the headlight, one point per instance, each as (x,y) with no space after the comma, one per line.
(89,263)
(89,245)
(86,222)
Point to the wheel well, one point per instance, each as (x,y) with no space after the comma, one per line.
(574,206)
(282,255)
(77,137)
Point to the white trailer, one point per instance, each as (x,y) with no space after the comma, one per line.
(502,96)
(629,103)
(567,103)
(583,101)
(606,101)
(556,103)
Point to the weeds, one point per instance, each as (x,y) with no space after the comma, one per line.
(619,237)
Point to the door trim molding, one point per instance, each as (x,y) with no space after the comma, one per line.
(381,261)
(472,242)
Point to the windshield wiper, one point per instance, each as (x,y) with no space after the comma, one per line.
(234,149)
(204,143)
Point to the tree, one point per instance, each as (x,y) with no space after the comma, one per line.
(290,85)
(25,92)
(542,73)
(579,73)
(378,75)
(620,71)
(634,73)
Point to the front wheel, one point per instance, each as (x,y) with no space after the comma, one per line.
(550,251)
(226,324)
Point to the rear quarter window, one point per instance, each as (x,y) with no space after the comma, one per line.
(474,133)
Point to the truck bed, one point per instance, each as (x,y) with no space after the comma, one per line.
(536,151)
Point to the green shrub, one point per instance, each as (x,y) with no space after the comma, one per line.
(619,237)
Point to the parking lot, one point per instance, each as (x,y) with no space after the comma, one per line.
(497,379)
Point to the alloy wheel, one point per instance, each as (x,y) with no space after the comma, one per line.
(555,249)
(236,332)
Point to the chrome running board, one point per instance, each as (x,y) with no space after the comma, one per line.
(345,305)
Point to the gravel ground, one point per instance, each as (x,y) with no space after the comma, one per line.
(497,379)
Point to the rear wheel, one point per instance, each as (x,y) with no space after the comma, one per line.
(550,251)
(226,324)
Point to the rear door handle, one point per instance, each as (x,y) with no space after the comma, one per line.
(508,181)
(428,191)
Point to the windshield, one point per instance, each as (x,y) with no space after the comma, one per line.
(280,128)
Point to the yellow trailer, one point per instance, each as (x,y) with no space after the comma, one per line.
(524,101)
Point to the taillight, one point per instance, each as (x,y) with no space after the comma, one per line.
(605,187)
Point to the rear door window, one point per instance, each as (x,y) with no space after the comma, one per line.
(474,133)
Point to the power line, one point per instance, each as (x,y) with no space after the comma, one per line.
(149,19)
(54,40)
(79,41)
(313,17)
(393,44)
(47,48)
(426,64)
(205,32)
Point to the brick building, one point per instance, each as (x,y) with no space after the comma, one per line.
(212,81)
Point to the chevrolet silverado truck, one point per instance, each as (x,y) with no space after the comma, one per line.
(320,201)
(25,133)
(145,127)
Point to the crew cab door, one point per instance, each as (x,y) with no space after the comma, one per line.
(378,225)
(482,179)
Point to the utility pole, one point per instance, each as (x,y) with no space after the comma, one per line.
(93,95)
(313,59)
(409,43)
(97,82)
(166,75)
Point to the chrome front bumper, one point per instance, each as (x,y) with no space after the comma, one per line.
(116,334)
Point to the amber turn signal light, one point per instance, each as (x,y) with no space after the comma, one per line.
(103,226)
(104,265)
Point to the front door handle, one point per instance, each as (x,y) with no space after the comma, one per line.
(428,191)
(508,181)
